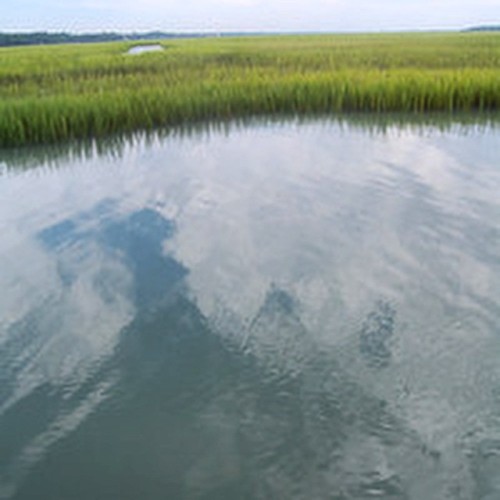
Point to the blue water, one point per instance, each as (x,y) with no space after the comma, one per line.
(295,310)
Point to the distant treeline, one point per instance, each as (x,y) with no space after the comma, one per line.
(42,38)
(484,28)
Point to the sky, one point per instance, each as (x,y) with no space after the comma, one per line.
(245,15)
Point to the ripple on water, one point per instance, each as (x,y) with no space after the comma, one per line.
(283,311)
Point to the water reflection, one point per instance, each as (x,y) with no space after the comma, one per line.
(52,351)
(190,417)
(118,145)
(318,320)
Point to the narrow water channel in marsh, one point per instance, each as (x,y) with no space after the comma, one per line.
(288,310)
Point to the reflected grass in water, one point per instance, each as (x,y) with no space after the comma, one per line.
(115,145)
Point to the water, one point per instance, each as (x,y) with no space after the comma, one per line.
(301,311)
(141,49)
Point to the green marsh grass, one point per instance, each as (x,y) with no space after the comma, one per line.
(50,94)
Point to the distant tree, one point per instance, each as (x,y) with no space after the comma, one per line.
(484,28)
(44,38)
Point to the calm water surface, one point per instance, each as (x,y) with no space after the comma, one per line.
(296,311)
(141,49)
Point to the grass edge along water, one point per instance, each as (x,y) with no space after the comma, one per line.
(51,94)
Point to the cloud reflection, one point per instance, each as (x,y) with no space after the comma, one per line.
(281,311)
(106,273)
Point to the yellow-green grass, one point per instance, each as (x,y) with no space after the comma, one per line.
(56,93)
